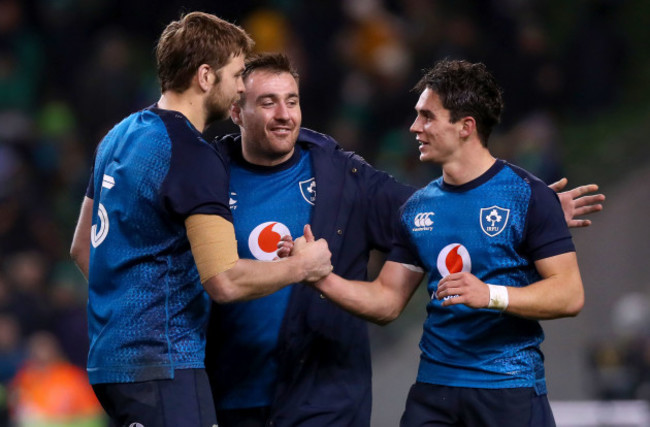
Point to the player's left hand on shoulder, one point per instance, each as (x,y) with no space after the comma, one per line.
(578,202)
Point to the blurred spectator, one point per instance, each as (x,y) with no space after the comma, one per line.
(49,391)
(67,296)
(11,347)
(373,47)
(12,355)
(107,87)
(68,27)
(21,59)
(620,362)
(27,273)
(595,58)
(534,144)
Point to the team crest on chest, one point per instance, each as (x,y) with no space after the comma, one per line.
(308,190)
(494,220)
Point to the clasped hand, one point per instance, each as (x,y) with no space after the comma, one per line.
(316,253)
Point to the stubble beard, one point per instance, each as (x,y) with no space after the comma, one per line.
(217,107)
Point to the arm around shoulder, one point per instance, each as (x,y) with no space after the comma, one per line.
(578,202)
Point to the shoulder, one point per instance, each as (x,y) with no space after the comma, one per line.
(143,130)
(324,146)
(432,188)
(524,175)
(537,186)
(318,139)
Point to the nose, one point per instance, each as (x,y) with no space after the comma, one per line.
(416,127)
(282,111)
(240,85)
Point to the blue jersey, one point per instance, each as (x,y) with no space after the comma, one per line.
(147,310)
(494,227)
(267,203)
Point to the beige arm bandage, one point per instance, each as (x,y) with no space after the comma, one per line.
(213,243)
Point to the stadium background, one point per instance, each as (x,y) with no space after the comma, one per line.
(577,93)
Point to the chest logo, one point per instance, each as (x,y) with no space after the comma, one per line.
(423,221)
(263,240)
(233,201)
(308,190)
(494,220)
(454,258)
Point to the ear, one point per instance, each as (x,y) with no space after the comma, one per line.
(235,113)
(468,126)
(205,77)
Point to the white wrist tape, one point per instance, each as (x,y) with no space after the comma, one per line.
(498,297)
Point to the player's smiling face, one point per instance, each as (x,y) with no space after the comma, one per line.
(438,139)
(269,118)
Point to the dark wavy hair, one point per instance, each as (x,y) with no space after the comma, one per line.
(195,39)
(466,89)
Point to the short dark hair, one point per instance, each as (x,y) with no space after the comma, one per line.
(272,62)
(466,89)
(195,39)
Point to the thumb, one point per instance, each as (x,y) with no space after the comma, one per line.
(309,236)
(558,186)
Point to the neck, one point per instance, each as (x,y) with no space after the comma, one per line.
(468,166)
(265,159)
(252,153)
(190,106)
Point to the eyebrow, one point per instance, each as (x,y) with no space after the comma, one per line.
(275,95)
(425,112)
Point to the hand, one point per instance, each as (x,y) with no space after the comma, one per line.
(463,288)
(317,259)
(285,245)
(575,203)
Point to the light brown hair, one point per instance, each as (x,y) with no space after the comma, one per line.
(195,39)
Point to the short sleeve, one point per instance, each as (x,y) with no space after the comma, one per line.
(547,233)
(403,250)
(198,178)
(385,195)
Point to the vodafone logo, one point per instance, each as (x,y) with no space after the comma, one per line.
(454,258)
(263,240)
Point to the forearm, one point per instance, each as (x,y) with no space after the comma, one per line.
(249,279)
(80,247)
(557,295)
(363,299)
(227,278)
(380,301)
(544,300)
(82,261)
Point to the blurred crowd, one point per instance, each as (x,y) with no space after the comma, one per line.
(619,359)
(70,69)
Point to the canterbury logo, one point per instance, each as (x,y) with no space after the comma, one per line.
(423,219)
